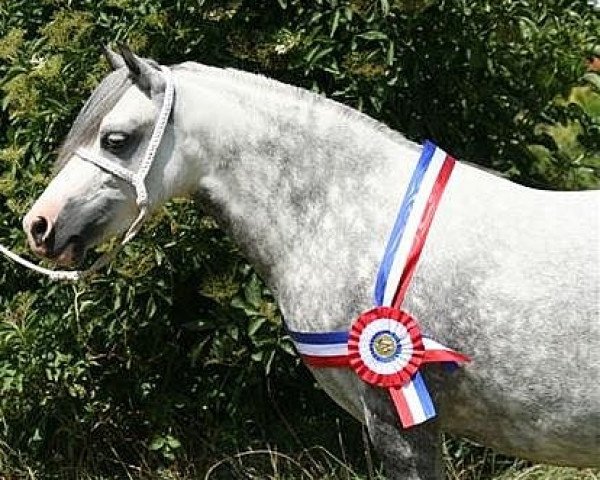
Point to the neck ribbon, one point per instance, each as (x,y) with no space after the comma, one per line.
(385,346)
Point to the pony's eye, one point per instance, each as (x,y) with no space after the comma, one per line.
(114,141)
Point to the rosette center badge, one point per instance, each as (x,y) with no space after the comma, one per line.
(385,346)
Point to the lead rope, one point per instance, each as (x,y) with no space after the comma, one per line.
(136,179)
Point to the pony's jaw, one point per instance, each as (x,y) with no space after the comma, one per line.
(72,254)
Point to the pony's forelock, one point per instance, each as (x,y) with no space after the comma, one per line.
(102,100)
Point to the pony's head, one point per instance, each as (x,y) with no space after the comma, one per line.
(91,198)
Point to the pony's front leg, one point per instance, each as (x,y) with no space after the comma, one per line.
(411,454)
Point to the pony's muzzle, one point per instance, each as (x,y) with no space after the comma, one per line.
(41,235)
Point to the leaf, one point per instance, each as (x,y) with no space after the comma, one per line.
(390,53)
(173,442)
(157,443)
(288,348)
(240,303)
(257,356)
(270,362)
(385,7)
(253,291)
(373,35)
(320,54)
(255,324)
(335,23)
(36,436)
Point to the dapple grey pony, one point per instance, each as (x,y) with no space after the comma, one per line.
(310,190)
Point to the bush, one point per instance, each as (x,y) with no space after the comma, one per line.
(153,363)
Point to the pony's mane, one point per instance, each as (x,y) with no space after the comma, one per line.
(86,125)
(270,85)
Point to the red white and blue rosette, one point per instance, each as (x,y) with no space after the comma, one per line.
(385,347)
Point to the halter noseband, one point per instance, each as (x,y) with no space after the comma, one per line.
(137,179)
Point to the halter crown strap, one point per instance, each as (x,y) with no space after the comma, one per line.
(135,178)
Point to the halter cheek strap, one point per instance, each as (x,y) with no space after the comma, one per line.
(135,178)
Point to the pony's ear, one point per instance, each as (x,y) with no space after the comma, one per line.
(114,59)
(144,73)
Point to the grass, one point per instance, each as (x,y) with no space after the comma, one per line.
(287,468)
(315,463)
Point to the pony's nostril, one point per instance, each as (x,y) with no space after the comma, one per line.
(39,230)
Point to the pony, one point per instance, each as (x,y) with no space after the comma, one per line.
(309,189)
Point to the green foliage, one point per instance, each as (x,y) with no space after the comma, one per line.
(574,141)
(177,355)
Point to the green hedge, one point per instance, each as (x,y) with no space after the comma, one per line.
(177,355)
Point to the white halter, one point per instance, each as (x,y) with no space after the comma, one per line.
(136,179)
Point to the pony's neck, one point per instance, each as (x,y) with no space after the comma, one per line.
(307,188)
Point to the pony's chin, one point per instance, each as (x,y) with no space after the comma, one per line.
(72,254)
